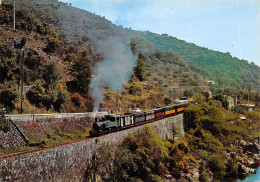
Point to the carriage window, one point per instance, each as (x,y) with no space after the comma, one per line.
(112,119)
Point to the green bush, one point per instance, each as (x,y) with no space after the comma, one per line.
(232,168)
(156,178)
(217,166)
(255,115)
(203,177)
(9,97)
(51,72)
(4,122)
(51,97)
(52,44)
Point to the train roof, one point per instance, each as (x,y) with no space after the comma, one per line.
(155,109)
(170,106)
(139,113)
(125,115)
(149,110)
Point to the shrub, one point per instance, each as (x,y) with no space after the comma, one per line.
(255,115)
(155,178)
(8,98)
(176,131)
(232,167)
(53,43)
(37,94)
(217,166)
(77,99)
(4,122)
(51,73)
(55,95)
(203,177)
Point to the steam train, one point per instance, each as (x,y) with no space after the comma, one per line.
(114,122)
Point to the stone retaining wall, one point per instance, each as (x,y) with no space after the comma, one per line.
(68,162)
(14,138)
(11,138)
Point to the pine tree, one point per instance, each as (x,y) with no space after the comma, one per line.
(139,70)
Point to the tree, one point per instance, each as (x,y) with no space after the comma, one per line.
(56,95)
(217,166)
(139,70)
(77,99)
(220,97)
(4,122)
(111,163)
(188,93)
(167,101)
(9,97)
(37,94)
(7,61)
(80,69)
(33,60)
(53,43)
(7,67)
(51,72)
(52,95)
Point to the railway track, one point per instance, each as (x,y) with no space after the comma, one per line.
(92,137)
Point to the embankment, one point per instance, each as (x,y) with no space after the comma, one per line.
(68,162)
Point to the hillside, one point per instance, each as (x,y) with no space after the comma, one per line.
(63,48)
(54,69)
(56,73)
(221,67)
(227,71)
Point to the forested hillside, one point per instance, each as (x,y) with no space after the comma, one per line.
(55,51)
(53,68)
(222,67)
(37,55)
(227,71)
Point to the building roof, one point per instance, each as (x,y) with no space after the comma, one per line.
(204,91)
(248,105)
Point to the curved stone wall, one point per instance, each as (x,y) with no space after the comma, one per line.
(68,162)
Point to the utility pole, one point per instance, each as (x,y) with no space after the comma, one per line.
(22,71)
(14,14)
(248,96)
(116,99)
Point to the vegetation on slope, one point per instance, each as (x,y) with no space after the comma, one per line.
(141,157)
(23,60)
(221,67)
(46,133)
(65,58)
(36,55)
(58,70)
(228,71)
(165,67)
(212,133)
(144,95)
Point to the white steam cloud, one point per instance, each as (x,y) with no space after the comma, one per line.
(114,71)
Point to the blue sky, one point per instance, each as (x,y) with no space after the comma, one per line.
(227,26)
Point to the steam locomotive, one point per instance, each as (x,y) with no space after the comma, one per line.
(113,122)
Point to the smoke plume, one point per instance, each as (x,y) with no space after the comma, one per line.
(115,70)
